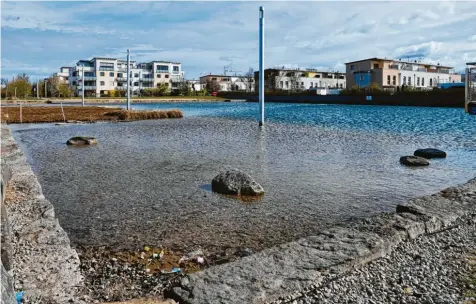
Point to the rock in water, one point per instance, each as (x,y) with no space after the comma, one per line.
(430,153)
(414,161)
(81,141)
(236,182)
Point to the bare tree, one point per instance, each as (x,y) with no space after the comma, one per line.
(295,80)
(249,79)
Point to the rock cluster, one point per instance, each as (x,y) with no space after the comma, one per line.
(81,141)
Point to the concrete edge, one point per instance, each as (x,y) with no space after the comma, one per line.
(288,270)
(44,265)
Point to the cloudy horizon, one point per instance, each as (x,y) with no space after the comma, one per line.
(40,37)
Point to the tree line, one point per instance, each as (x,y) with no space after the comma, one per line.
(21,87)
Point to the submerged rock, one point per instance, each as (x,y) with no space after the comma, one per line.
(414,161)
(81,141)
(236,182)
(430,153)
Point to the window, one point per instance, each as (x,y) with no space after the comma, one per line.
(394,81)
(106,66)
(119,75)
(317,76)
(418,81)
(422,82)
(101,73)
(287,84)
(111,74)
(136,75)
(163,68)
(312,84)
(74,82)
(431,82)
(159,76)
(409,80)
(361,78)
(280,84)
(351,67)
(103,83)
(404,79)
(375,65)
(136,84)
(214,79)
(167,76)
(341,86)
(302,83)
(175,69)
(388,79)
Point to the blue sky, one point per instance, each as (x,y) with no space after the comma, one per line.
(40,37)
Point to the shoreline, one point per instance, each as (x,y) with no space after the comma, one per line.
(111,101)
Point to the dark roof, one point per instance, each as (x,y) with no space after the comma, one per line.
(213,75)
(401,61)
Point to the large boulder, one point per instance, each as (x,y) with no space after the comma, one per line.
(236,182)
(430,153)
(414,161)
(81,141)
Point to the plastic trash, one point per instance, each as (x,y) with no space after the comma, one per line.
(174,270)
(193,256)
(19,297)
(146,248)
(200,260)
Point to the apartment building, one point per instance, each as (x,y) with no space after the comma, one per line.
(63,74)
(301,79)
(388,73)
(226,83)
(102,75)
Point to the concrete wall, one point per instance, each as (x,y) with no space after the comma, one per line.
(42,263)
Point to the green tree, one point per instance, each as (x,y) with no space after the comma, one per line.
(20,87)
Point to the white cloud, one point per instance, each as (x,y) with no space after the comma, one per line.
(206,36)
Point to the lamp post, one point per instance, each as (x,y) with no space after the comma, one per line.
(128,79)
(82,87)
(261,65)
(46,93)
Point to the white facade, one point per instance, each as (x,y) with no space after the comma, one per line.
(302,79)
(102,75)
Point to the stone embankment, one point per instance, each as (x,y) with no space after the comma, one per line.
(41,261)
(289,271)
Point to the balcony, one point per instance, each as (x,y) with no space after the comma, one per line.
(421,70)
(394,66)
(147,79)
(121,79)
(87,87)
(86,78)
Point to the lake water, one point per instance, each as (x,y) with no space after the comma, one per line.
(147,182)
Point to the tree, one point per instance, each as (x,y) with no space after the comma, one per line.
(20,87)
(249,80)
(64,90)
(213,86)
(184,88)
(295,80)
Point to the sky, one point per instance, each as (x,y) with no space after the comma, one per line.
(38,38)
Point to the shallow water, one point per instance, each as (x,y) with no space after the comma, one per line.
(148,182)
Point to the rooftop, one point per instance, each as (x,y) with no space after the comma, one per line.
(302,70)
(401,61)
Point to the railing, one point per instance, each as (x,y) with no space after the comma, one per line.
(87,87)
(147,79)
(444,71)
(106,69)
(421,70)
(394,66)
(86,78)
(122,79)
(407,68)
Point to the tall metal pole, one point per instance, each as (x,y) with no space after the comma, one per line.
(261,66)
(82,82)
(38,89)
(45,89)
(128,80)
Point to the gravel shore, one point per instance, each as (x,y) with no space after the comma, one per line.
(436,268)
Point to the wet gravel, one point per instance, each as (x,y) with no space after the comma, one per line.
(430,269)
(148,182)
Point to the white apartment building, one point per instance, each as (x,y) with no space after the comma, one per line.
(302,79)
(63,74)
(102,75)
(388,73)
